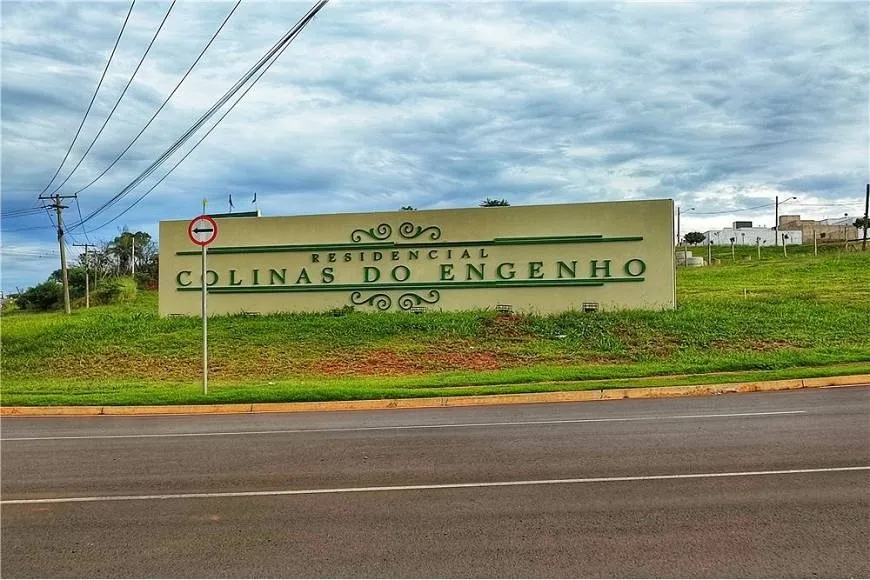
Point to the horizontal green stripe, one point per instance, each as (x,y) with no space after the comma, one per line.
(410,245)
(400,286)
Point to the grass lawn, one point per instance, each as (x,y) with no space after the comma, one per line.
(744,319)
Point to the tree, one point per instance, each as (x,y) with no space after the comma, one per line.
(120,252)
(98,262)
(408,208)
(494,203)
(694,238)
(75,277)
(859,223)
(43,296)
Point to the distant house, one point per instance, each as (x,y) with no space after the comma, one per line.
(839,229)
(745,235)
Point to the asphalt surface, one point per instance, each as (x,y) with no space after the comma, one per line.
(757,485)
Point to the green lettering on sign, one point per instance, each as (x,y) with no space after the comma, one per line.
(566,269)
(273,274)
(511,273)
(596,268)
(635,267)
(303,275)
(371,274)
(400,273)
(477,272)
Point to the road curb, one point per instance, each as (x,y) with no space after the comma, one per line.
(453,401)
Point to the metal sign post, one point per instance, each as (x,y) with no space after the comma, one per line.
(202,231)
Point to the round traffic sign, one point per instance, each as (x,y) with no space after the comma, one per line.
(202,230)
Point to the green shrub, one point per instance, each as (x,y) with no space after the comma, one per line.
(45,296)
(114,291)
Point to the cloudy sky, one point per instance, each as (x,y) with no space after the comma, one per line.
(376,105)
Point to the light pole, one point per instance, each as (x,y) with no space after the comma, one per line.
(679,238)
(776,219)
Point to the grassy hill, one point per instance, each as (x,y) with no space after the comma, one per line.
(743,319)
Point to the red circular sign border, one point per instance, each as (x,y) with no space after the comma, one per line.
(207,218)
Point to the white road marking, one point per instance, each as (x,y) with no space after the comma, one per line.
(406,427)
(388,488)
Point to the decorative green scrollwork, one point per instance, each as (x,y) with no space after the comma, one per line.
(380,233)
(409,231)
(379,301)
(409,300)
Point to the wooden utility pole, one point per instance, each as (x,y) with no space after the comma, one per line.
(59,209)
(87,276)
(776,223)
(776,220)
(866,211)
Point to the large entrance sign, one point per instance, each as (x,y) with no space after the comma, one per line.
(544,259)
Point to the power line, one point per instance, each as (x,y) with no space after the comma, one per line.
(93,98)
(121,96)
(793,203)
(18,213)
(24,254)
(186,155)
(79,208)
(285,40)
(164,103)
(730,210)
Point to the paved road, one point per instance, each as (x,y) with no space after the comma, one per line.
(571,490)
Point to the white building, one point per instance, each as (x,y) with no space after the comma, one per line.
(749,236)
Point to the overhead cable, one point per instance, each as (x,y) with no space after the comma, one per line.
(285,40)
(736,210)
(118,101)
(91,104)
(17,213)
(79,208)
(201,139)
(164,103)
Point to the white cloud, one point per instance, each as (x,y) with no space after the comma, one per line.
(379,105)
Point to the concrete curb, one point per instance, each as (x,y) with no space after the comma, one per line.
(455,401)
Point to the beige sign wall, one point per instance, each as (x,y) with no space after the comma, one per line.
(543,259)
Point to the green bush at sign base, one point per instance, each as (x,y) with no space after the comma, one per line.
(114,291)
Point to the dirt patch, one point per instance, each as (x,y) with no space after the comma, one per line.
(128,366)
(272,364)
(753,344)
(437,358)
(121,365)
(506,327)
